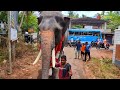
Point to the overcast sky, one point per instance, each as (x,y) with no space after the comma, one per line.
(87,13)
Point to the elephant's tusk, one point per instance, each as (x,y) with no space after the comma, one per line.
(53,57)
(36,60)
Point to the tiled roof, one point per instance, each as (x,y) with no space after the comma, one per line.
(88,21)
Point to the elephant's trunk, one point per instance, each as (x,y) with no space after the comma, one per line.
(47,38)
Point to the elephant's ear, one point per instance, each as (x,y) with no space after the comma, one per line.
(40,19)
(66,19)
(65,24)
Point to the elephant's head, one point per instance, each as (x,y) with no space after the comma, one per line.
(52,26)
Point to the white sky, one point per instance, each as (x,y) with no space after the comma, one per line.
(87,13)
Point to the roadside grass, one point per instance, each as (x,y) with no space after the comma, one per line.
(20,50)
(104,69)
(3,54)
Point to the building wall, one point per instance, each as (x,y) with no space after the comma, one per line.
(95,27)
(116,58)
(109,37)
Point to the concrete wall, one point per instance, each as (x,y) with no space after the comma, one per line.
(116,41)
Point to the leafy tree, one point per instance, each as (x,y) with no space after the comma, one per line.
(83,16)
(114,20)
(3,16)
(29,21)
(77,26)
(77,16)
(72,14)
(103,12)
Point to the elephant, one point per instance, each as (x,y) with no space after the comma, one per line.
(52,26)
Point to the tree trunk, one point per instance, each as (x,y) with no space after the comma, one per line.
(21,20)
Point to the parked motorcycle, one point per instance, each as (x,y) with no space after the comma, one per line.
(101,45)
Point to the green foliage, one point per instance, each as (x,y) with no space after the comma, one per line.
(3,54)
(72,14)
(114,20)
(3,16)
(84,16)
(77,26)
(29,21)
(104,69)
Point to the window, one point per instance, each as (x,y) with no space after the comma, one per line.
(82,33)
(96,34)
(77,33)
(90,33)
(71,33)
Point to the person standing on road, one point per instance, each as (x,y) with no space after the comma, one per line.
(83,51)
(77,49)
(26,37)
(65,71)
(105,42)
(87,51)
(98,43)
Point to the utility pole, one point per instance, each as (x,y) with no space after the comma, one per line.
(14,26)
(12,35)
(9,36)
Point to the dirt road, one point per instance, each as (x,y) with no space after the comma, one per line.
(80,71)
(23,68)
(77,65)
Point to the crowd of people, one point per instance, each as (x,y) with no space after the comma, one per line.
(65,70)
(103,44)
(83,49)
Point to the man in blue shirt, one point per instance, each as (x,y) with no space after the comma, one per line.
(78,47)
(87,51)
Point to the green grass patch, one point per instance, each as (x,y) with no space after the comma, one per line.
(3,55)
(104,69)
